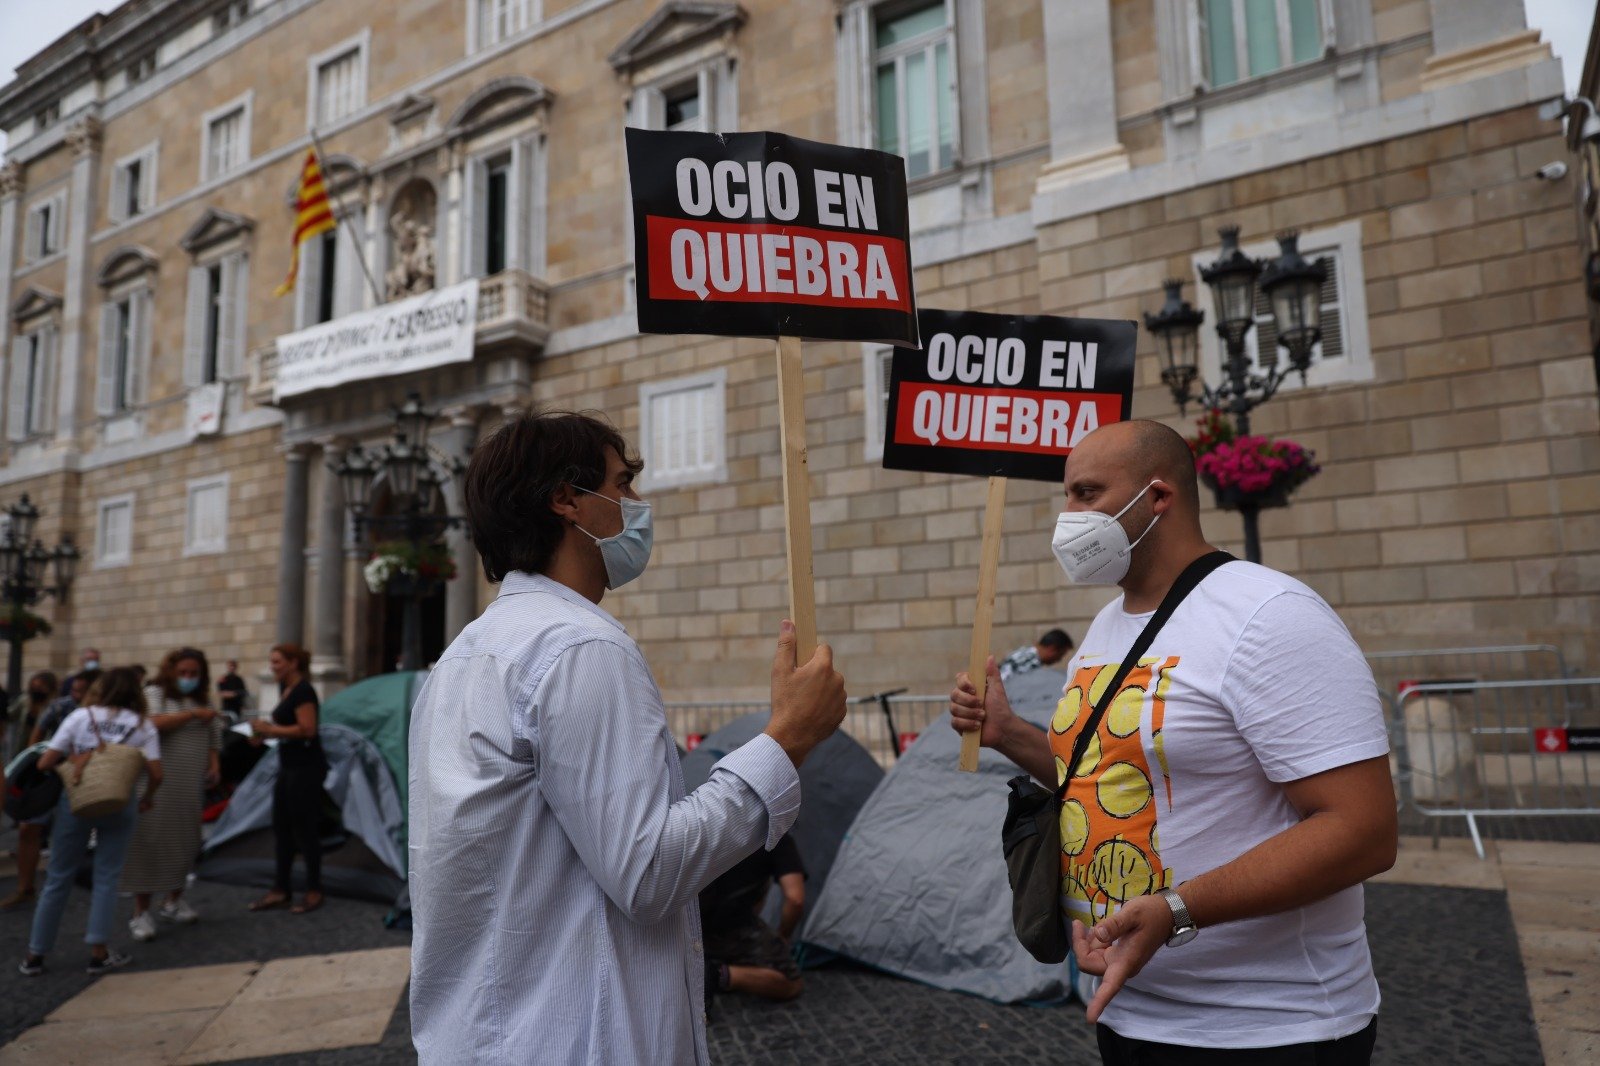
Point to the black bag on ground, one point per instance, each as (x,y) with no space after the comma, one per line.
(1031,836)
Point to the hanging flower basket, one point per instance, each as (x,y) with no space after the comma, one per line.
(1248,471)
(22,624)
(401,568)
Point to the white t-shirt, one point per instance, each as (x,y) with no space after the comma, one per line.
(1253,682)
(77,734)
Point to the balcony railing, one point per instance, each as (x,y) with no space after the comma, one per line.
(512,308)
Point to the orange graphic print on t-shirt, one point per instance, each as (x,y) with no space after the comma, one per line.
(1110,851)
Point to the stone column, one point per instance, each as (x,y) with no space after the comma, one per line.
(327,653)
(1476,38)
(292,547)
(84,141)
(461,595)
(1080,67)
(11,186)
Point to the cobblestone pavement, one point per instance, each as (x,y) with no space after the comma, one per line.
(1447,959)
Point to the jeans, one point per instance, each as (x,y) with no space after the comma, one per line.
(68,844)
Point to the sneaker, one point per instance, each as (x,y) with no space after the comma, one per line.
(112,961)
(143,926)
(32,966)
(180,912)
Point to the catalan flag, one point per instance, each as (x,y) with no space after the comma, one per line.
(312,215)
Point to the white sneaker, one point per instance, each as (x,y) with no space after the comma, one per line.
(180,912)
(143,926)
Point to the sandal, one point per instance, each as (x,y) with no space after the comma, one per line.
(271,901)
(308,903)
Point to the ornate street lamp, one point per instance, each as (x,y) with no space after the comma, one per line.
(1293,286)
(414,476)
(25,563)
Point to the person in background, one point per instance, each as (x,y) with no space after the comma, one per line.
(1051,649)
(116,715)
(231,691)
(57,713)
(168,838)
(297,797)
(89,662)
(743,952)
(26,712)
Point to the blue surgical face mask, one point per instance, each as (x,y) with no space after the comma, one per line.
(627,553)
(91,664)
(187,685)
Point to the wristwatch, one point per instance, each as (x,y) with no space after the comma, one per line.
(1183,927)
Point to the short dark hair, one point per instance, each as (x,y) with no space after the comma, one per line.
(117,687)
(517,469)
(1056,638)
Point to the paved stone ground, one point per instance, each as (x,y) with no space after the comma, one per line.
(1453,985)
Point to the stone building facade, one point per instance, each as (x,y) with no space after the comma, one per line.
(1063,158)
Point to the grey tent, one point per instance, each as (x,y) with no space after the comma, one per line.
(919,888)
(835,780)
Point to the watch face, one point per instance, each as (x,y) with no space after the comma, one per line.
(1182,937)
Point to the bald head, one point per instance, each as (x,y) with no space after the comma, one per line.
(1144,451)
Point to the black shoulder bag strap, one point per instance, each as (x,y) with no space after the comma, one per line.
(1192,575)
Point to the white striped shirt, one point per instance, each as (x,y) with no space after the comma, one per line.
(555,858)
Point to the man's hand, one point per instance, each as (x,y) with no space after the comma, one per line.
(992,714)
(1118,947)
(807,701)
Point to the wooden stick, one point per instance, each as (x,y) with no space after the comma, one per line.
(983,617)
(796,495)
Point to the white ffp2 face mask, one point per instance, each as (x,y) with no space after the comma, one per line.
(1092,546)
(628,553)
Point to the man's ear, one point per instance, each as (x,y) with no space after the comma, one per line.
(1161,497)
(564,502)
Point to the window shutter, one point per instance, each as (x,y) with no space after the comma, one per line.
(35,229)
(477,227)
(147,181)
(518,207)
(105,393)
(655,109)
(58,225)
(17,408)
(45,383)
(138,347)
(235,315)
(351,282)
(1332,344)
(308,282)
(194,331)
(119,194)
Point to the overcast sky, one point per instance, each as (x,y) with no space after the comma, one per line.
(26,26)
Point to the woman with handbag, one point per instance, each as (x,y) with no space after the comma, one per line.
(302,765)
(168,838)
(99,751)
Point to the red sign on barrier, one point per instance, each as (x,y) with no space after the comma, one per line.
(692,741)
(1550,740)
(908,739)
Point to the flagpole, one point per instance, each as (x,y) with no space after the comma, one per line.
(338,203)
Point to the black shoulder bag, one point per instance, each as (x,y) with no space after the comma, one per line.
(1031,836)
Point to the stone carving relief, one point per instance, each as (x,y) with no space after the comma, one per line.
(411,242)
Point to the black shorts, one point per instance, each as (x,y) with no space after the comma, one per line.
(1352,1050)
(754,943)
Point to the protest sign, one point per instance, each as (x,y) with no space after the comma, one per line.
(1003,396)
(764,235)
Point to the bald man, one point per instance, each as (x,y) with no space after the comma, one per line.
(1238,784)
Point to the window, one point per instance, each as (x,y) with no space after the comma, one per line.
(331,283)
(205,529)
(141,68)
(124,352)
(502,222)
(1343,354)
(113,542)
(47,116)
(681,424)
(327,283)
(46,227)
(133,185)
(915,85)
(214,334)
(32,363)
(683,107)
(876,363)
(338,82)
(497,201)
(227,139)
(232,13)
(499,20)
(1247,38)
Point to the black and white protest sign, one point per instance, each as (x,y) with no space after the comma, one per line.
(1005,395)
(764,235)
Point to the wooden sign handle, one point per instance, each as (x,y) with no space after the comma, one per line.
(983,616)
(796,495)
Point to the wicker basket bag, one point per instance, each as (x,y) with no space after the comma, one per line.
(105,785)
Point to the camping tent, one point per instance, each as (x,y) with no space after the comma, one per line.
(919,887)
(835,780)
(363,731)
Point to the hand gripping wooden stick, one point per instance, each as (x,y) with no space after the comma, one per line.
(983,616)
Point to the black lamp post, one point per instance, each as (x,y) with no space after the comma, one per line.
(414,477)
(1293,287)
(25,564)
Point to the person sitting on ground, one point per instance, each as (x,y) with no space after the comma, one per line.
(743,952)
(1051,649)
(25,715)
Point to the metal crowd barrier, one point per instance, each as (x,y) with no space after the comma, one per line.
(885,723)
(1527,749)
(1395,670)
